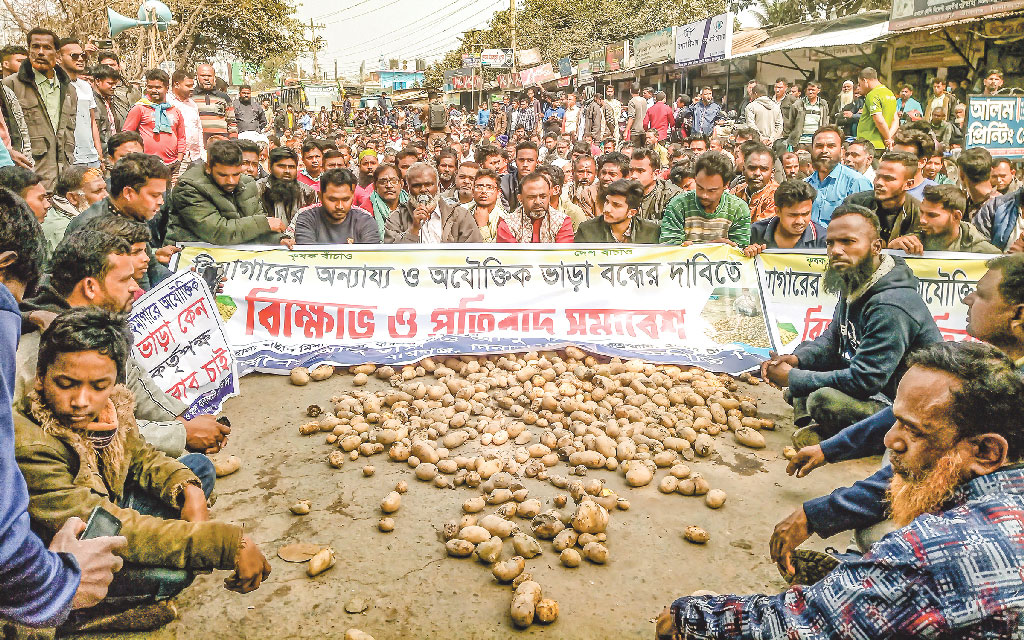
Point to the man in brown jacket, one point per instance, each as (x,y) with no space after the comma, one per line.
(426,217)
(79,448)
(50,104)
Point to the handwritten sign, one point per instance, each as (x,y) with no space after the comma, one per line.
(180,342)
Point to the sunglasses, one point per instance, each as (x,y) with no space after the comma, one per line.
(78,56)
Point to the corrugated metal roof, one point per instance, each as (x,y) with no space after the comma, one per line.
(853,29)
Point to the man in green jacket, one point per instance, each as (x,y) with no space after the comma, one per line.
(78,447)
(217,204)
(620,222)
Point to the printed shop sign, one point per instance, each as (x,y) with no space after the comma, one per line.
(180,342)
(997,124)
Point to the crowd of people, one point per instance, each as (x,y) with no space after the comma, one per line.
(101,181)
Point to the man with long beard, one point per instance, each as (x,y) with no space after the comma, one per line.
(995,315)
(953,569)
(281,193)
(852,369)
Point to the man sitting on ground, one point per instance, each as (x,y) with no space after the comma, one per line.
(791,227)
(942,226)
(897,211)
(996,316)
(216,204)
(758,187)
(619,221)
(95,269)
(78,188)
(645,166)
(851,370)
(335,220)
(79,448)
(426,217)
(534,220)
(956,449)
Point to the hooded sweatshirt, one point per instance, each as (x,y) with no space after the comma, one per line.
(765,115)
(862,352)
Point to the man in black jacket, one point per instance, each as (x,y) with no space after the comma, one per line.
(898,212)
(851,369)
(249,115)
(527,155)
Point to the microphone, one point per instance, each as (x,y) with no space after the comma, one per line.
(423,198)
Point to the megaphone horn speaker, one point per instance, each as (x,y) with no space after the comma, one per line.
(119,23)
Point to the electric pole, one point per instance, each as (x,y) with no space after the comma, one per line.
(315,42)
(512,8)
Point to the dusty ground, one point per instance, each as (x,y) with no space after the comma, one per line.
(414,591)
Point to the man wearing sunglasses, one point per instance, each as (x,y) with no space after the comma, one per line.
(72,58)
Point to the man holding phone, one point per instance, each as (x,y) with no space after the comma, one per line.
(79,448)
(38,587)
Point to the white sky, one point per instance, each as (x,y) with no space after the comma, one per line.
(358,30)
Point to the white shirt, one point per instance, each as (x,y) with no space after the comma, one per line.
(572,119)
(193,127)
(430,233)
(85,146)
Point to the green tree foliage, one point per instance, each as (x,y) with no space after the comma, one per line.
(561,28)
(774,13)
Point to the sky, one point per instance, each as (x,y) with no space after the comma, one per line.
(358,30)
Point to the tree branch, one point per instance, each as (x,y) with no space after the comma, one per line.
(14,15)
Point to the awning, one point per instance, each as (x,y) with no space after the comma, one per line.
(820,39)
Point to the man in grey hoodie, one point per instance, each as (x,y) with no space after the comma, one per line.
(764,114)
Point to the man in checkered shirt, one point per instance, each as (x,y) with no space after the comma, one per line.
(954,568)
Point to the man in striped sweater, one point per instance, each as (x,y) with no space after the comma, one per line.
(216,109)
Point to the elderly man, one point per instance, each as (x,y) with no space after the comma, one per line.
(427,217)
(956,448)
(77,190)
(994,308)
(852,369)
(534,220)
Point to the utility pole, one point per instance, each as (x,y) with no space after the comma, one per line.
(512,9)
(315,42)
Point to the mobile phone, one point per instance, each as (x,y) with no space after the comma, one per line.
(101,524)
(211,274)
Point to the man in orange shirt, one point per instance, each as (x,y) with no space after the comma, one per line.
(758,188)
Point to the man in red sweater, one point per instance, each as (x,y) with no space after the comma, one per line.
(534,220)
(659,116)
(160,124)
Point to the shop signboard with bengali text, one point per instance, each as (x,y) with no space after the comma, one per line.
(703,41)
(996,123)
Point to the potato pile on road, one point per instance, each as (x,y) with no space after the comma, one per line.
(522,432)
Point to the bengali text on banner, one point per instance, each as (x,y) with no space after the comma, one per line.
(799,309)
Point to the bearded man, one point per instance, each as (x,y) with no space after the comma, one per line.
(281,193)
(852,369)
(995,315)
(953,568)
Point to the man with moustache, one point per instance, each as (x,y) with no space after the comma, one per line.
(898,212)
(995,314)
(535,220)
(833,180)
(953,569)
(852,369)
(942,227)
(281,193)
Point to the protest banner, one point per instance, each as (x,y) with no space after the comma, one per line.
(180,342)
(997,124)
(397,304)
(797,307)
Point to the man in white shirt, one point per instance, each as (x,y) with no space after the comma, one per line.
(182,84)
(571,123)
(71,58)
(615,108)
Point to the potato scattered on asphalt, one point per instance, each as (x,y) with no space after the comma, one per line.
(570,558)
(321,562)
(301,508)
(715,498)
(391,502)
(226,466)
(524,603)
(696,535)
(386,525)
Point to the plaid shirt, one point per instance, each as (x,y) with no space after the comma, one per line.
(685,219)
(525,118)
(954,574)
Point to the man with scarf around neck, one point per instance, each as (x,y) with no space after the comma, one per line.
(38,586)
(387,194)
(534,220)
(95,269)
(79,448)
(159,122)
(280,192)
(953,568)
(851,370)
(426,217)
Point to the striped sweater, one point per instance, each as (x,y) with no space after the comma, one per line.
(217,113)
